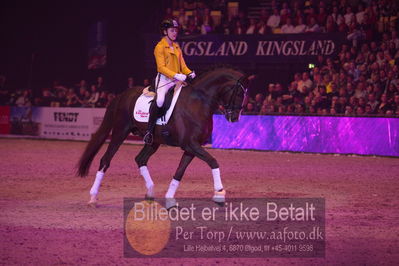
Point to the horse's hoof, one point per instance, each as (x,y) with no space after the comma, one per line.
(170,203)
(149,198)
(92,202)
(220,204)
(150,195)
(219,197)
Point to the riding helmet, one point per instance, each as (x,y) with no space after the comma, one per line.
(168,23)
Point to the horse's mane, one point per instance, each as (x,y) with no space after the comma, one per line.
(215,69)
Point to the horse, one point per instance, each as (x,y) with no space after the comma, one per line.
(189,128)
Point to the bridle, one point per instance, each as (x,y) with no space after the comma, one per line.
(230,107)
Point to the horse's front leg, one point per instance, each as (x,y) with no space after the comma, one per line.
(174,184)
(142,159)
(219,193)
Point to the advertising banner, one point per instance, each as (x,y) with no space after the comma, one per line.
(276,48)
(25,121)
(320,134)
(4,120)
(66,123)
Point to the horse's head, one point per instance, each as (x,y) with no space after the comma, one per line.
(234,97)
(228,88)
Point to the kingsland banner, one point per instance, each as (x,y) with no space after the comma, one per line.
(276,48)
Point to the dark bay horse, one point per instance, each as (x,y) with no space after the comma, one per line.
(189,127)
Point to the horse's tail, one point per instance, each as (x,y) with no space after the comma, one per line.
(97,140)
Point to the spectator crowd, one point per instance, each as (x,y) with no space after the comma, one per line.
(359,81)
(359,19)
(81,94)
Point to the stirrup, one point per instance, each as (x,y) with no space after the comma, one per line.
(148,138)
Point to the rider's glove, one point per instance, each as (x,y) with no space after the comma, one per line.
(180,77)
(191,75)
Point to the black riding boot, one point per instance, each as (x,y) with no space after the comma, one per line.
(154,109)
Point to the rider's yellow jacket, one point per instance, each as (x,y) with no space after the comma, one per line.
(170,61)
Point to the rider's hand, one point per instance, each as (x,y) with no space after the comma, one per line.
(191,75)
(180,77)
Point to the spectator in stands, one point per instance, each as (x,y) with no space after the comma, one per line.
(264,15)
(182,19)
(102,101)
(289,96)
(395,103)
(305,84)
(259,98)
(110,97)
(146,82)
(349,110)
(330,25)
(262,27)
(24,99)
(81,94)
(45,99)
(238,28)
(274,20)
(252,28)
(130,82)
(82,85)
(394,38)
(349,17)
(249,109)
(354,34)
(360,14)
(288,27)
(206,26)
(94,96)
(313,26)
(372,102)
(71,99)
(300,27)
(309,15)
(336,16)
(384,106)
(285,13)
(59,100)
(322,16)
(100,84)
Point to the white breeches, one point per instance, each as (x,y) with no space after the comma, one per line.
(163,87)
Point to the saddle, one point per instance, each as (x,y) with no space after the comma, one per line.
(150,91)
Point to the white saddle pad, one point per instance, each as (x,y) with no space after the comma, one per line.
(142,107)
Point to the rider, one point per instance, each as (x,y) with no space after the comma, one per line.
(171,68)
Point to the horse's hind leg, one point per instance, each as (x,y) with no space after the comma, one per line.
(141,159)
(119,134)
(201,153)
(174,184)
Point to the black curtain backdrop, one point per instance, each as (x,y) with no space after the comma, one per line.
(51,38)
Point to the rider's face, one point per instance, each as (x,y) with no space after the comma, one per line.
(172,33)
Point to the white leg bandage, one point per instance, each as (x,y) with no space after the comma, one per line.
(217,182)
(147,178)
(172,189)
(97,183)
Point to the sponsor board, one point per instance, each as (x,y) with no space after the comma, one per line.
(4,120)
